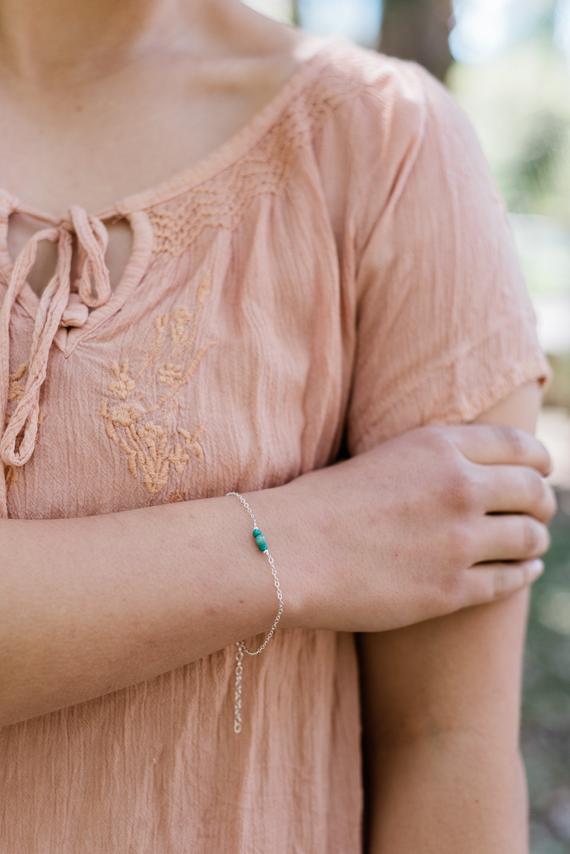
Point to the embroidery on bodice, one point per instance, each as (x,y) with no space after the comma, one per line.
(221,200)
(140,408)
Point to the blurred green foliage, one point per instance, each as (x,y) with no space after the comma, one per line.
(519,103)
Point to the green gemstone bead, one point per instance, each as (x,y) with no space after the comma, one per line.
(256,532)
(261,543)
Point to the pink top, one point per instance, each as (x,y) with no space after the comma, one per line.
(338,271)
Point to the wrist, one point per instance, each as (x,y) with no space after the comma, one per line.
(284,514)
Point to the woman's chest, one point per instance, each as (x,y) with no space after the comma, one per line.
(112,137)
(222,371)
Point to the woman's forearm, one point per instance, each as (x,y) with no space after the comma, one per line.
(93,604)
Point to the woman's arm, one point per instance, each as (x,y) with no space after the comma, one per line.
(90,605)
(93,604)
(441,720)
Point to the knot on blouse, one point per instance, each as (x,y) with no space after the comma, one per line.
(58,306)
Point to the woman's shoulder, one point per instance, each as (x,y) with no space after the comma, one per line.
(367,108)
(358,89)
(345,66)
(382,124)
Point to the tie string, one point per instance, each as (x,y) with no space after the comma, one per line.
(57,306)
(94,284)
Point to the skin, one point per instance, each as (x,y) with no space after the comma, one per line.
(125,95)
(441,708)
(441,695)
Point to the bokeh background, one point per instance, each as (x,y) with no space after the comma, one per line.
(508,64)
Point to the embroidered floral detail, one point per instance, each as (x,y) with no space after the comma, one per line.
(124,383)
(141,406)
(170,374)
(180,320)
(177,495)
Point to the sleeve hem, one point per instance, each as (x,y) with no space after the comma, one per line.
(466,408)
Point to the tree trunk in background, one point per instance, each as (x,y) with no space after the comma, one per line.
(295,16)
(419,30)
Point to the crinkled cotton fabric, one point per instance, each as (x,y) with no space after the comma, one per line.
(338,271)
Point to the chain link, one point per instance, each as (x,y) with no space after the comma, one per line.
(241,647)
(237,689)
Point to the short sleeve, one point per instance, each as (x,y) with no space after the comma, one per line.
(445,326)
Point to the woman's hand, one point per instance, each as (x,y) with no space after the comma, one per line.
(423,525)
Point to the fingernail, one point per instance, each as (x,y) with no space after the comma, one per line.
(536,568)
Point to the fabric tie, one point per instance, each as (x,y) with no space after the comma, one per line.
(57,306)
(94,284)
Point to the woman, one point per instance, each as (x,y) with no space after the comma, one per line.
(319,267)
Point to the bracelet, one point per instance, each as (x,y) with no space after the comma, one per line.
(241,648)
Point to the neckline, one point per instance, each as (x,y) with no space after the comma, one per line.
(312,51)
(67,338)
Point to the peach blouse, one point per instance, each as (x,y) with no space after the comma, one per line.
(338,271)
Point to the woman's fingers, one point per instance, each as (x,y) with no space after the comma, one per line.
(492,581)
(516,489)
(509,537)
(490,444)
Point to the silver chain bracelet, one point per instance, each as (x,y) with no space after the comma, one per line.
(241,648)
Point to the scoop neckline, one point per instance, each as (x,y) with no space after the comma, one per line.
(312,51)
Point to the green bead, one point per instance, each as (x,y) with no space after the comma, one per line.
(261,543)
(256,532)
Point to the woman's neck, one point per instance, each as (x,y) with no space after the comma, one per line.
(47,40)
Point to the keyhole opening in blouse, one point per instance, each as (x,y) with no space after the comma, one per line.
(65,304)
(21,226)
(109,257)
